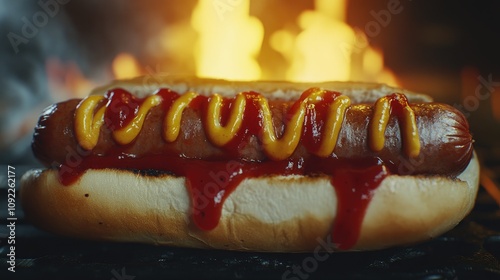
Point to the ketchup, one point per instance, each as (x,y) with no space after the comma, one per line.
(252,123)
(168,97)
(354,188)
(121,108)
(209,183)
(398,103)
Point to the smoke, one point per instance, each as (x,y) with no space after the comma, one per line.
(23,81)
(85,33)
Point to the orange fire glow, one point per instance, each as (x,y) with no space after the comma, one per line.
(315,53)
(125,66)
(329,49)
(228,40)
(224,41)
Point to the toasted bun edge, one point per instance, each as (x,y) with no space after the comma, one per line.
(358,92)
(277,213)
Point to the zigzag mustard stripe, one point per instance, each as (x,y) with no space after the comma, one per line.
(88,124)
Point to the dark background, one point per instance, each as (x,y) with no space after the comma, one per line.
(435,47)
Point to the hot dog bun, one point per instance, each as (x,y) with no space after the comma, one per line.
(278,214)
(271,213)
(358,92)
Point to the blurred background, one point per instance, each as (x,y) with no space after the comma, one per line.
(53,50)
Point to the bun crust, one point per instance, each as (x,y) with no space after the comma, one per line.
(357,92)
(279,214)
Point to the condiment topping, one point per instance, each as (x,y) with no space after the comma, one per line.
(126,120)
(315,119)
(210,182)
(383,108)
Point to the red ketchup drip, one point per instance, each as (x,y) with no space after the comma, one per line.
(354,189)
(210,182)
(209,187)
(121,108)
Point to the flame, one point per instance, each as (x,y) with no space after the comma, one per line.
(374,70)
(222,40)
(125,66)
(329,49)
(228,40)
(316,55)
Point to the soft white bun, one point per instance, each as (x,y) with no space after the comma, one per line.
(282,214)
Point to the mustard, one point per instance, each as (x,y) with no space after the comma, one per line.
(88,123)
(410,136)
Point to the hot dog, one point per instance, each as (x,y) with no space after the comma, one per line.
(223,142)
(450,156)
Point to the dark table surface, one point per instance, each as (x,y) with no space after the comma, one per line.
(471,250)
